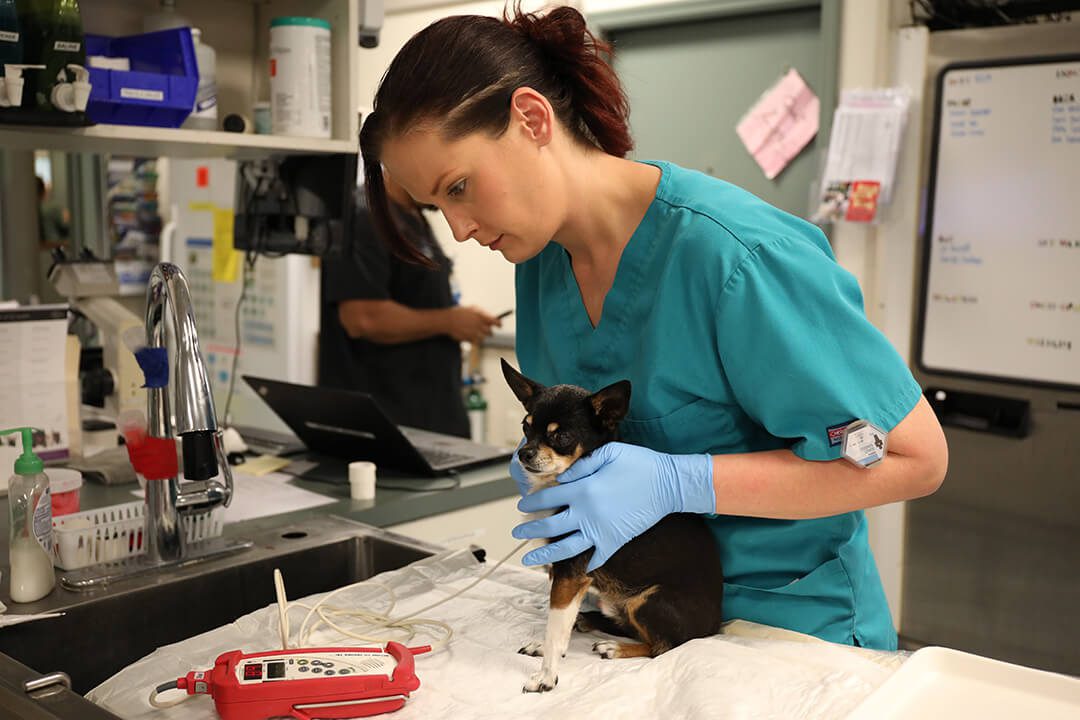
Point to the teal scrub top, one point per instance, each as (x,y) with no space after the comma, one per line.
(739,332)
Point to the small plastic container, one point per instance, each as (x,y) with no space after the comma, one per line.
(65,484)
(300,77)
(160,88)
(362,480)
(261,113)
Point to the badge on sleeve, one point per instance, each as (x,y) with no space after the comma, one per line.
(864,443)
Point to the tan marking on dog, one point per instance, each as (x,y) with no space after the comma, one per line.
(528,419)
(552,427)
(633,650)
(566,590)
(643,649)
(539,482)
(550,463)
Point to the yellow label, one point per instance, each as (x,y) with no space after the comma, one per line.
(226,266)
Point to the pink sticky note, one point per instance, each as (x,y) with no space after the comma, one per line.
(780,124)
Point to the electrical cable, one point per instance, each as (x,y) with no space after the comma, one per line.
(374,622)
(249,268)
(449,483)
(162,705)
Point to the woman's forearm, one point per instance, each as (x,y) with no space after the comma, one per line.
(780,484)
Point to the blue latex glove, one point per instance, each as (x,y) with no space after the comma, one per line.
(611,497)
(518,473)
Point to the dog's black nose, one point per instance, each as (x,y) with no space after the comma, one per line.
(527,454)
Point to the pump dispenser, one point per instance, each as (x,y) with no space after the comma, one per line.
(30,506)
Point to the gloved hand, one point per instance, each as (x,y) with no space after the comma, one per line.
(518,473)
(611,497)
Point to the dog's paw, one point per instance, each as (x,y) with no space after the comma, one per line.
(540,682)
(606,649)
(582,624)
(533,649)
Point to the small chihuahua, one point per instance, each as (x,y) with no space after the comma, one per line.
(663,588)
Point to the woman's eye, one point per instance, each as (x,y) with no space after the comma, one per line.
(456,189)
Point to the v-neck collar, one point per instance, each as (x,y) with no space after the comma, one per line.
(623,301)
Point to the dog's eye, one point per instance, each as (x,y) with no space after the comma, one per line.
(560,438)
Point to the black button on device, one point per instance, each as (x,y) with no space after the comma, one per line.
(253,671)
(344,671)
(329,672)
(304,668)
(316,670)
(301,662)
(328,664)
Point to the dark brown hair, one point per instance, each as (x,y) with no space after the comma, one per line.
(459,73)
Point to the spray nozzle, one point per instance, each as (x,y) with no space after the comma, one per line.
(13,84)
(81,74)
(71,96)
(28,463)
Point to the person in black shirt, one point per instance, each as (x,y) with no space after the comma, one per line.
(390,328)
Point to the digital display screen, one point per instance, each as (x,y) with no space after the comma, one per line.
(253,672)
(275,670)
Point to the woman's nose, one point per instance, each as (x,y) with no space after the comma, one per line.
(462,227)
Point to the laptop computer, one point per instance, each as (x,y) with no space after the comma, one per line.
(349,425)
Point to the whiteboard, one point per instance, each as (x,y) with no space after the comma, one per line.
(1002,245)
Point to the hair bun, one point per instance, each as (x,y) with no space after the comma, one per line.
(561,33)
(579,62)
(559,26)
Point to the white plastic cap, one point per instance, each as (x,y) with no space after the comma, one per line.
(362,480)
(62,480)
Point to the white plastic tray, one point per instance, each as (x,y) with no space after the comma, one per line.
(938,682)
(116,532)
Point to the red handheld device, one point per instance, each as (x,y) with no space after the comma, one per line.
(308,683)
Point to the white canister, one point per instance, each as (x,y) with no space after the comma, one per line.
(300,76)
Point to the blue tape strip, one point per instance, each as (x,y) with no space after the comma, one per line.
(155,366)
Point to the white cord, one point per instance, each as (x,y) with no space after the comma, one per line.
(165,687)
(283,606)
(405,627)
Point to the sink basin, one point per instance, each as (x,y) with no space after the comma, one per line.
(107,629)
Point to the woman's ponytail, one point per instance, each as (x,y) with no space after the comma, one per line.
(581,62)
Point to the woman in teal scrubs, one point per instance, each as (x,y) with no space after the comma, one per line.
(746,344)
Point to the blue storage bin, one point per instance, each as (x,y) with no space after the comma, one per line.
(160,88)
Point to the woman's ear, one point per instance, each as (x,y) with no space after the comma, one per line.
(531,111)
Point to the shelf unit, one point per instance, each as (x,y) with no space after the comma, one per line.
(238,30)
(164,142)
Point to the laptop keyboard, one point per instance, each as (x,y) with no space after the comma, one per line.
(438,457)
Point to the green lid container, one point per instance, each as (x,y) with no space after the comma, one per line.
(303,21)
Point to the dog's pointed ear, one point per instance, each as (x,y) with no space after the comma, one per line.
(525,389)
(612,403)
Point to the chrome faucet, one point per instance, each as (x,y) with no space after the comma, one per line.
(168,300)
(170,317)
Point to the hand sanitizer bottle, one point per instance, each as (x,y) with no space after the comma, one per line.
(32,576)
